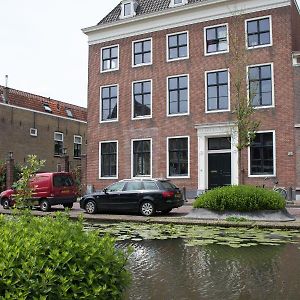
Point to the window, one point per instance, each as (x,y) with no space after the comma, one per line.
(110,58)
(142,99)
(262,153)
(108,159)
(58,143)
(178,157)
(128,9)
(116,187)
(142,52)
(141,150)
(216,39)
(178,2)
(134,186)
(178,95)
(259,32)
(33,132)
(260,85)
(217,91)
(69,113)
(47,108)
(150,186)
(109,103)
(77,146)
(177,46)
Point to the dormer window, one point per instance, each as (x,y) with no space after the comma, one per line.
(47,108)
(174,3)
(128,9)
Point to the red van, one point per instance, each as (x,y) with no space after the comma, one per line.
(48,189)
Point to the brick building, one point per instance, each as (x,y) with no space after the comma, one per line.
(160,100)
(51,129)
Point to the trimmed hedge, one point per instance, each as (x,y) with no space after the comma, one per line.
(54,258)
(240,198)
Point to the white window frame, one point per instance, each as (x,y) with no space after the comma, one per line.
(33,132)
(61,134)
(273,84)
(167,146)
(206,94)
(151,150)
(77,143)
(173,4)
(274,157)
(188,94)
(132,100)
(117,160)
(187,48)
(101,60)
(271,33)
(205,44)
(133,6)
(151,54)
(100,104)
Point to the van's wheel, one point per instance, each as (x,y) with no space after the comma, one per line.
(44,205)
(90,207)
(68,205)
(5,203)
(147,208)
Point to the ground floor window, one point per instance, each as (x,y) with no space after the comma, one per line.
(262,154)
(108,153)
(141,151)
(178,154)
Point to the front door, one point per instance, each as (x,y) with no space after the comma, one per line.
(219,169)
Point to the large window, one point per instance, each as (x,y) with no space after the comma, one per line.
(260,85)
(178,154)
(77,146)
(178,95)
(109,103)
(110,58)
(262,154)
(259,32)
(216,39)
(142,52)
(58,143)
(108,159)
(177,46)
(142,99)
(217,91)
(141,151)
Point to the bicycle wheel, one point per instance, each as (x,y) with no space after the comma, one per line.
(281,191)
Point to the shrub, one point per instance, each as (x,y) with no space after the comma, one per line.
(240,198)
(54,258)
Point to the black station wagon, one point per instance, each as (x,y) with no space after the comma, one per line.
(145,196)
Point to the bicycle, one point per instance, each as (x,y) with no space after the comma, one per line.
(282,191)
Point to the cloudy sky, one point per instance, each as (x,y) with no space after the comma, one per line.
(42,48)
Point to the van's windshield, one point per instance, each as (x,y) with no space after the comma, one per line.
(62,180)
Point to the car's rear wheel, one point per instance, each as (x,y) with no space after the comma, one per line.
(147,208)
(45,205)
(68,205)
(90,207)
(5,203)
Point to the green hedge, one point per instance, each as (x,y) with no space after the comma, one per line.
(53,258)
(240,198)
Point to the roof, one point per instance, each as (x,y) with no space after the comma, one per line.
(42,104)
(144,7)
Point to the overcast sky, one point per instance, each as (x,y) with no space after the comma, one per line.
(42,48)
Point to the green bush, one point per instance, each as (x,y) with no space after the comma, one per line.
(53,258)
(240,198)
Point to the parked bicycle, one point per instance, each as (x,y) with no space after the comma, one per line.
(282,191)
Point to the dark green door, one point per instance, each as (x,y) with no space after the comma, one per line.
(219,169)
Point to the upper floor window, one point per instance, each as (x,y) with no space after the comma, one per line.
(109,103)
(177,46)
(260,81)
(77,146)
(178,95)
(108,159)
(141,158)
(259,33)
(47,108)
(142,101)
(58,143)
(142,52)
(69,113)
(178,2)
(216,39)
(217,94)
(110,58)
(128,8)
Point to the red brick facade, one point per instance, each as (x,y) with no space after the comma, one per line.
(159,127)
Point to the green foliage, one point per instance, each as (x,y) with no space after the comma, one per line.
(54,258)
(236,219)
(240,198)
(17,174)
(22,186)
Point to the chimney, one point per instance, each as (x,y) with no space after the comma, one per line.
(5,90)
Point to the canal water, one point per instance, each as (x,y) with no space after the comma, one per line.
(192,262)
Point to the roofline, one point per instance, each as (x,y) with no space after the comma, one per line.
(297,6)
(43,113)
